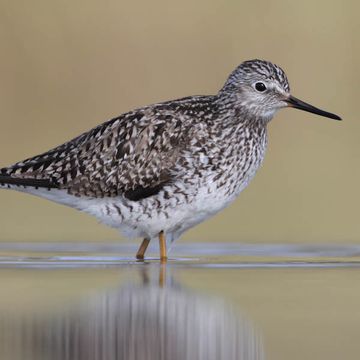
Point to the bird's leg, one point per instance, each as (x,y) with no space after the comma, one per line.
(141,252)
(162,242)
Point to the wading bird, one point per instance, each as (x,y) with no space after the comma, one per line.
(159,170)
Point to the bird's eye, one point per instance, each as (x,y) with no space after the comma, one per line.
(259,86)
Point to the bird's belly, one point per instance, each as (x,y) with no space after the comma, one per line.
(202,208)
(210,200)
(214,196)
(185,206)
(179,213)
(144,218)
(174,218)
(173,214)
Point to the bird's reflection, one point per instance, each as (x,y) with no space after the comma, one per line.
(142,320)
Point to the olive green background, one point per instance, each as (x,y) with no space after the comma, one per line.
(68,65)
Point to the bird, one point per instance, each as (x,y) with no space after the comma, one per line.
(157,171)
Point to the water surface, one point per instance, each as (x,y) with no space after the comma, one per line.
(211,301)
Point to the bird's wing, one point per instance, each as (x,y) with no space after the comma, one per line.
(132,155)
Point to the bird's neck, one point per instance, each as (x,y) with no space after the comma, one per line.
(231,102)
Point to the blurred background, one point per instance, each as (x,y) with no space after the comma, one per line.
(67,66)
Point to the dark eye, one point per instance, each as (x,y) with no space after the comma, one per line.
(259,86)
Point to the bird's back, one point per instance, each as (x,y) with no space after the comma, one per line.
(132,155)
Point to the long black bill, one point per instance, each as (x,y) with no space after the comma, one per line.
(298,104)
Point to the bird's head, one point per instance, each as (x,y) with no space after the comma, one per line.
(261,88)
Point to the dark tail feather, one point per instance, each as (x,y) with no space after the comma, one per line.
(37,183)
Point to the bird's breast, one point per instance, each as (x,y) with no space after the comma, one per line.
(237,162)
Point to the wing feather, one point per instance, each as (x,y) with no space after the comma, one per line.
(132,155)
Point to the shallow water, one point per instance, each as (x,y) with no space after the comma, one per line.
(211,301)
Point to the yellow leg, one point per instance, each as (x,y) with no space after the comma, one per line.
(141,252)
(162,242)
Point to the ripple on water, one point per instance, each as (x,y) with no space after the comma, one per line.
(205,255)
